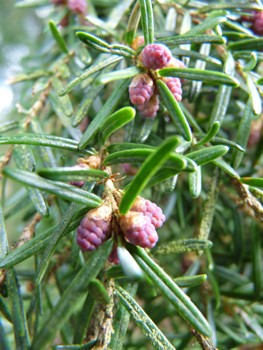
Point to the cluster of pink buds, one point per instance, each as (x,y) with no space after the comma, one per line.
(143,91)
(256,19)
(138,226)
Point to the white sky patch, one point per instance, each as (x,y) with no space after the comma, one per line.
(6,98)
(32,26)
(43,11)
(14,53)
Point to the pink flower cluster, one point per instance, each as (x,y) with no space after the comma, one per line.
(138,226)
(143,91)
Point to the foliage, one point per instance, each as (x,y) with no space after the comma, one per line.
(199,159)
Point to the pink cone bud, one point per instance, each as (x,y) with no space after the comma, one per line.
(147,208)
(58,2)
(65,21)
(249,18)
(77,6)
(141,89)
(257,25)
(113,258)
(94,228)
(79,166)
(175,63)
(150,108)
(174,86)
(155,56)
(138,229)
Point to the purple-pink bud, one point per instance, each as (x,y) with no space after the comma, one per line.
(149,209)
(257,26)
(175,63)
(77,6)
(58,2)
(249,18)
(138,229)
(150,108)
(79,166)
(113,258)
(65,21)
(141,89)
(155,56)
(94,228)
(174,86)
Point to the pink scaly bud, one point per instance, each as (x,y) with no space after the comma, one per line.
(65,21)
(150,209)
(155,56)
(58,2)
(249,18)
(138,229)
(150,108)
(257,25)
(174,86)
(141,89)
(175,63)
(77,6)
(94,228)
(113,258)
(79,166)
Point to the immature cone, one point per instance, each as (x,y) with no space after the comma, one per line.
(77,6)
(257,25)
(84,124)
(141,89)
(174,86)
(175,63)
(94,228)
(79,166)
(65,21)
(113,258)
(58,2)
(249,18)
(129,169)
(147,208)
(155,56)
(150,108)
(138,229)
